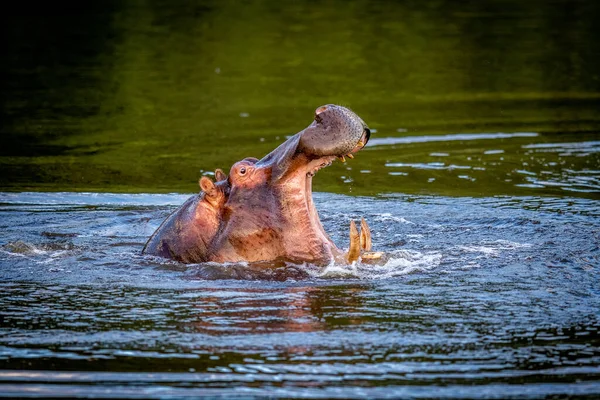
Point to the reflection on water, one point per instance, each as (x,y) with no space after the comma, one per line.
(481,296)
(493,163)
(447,138)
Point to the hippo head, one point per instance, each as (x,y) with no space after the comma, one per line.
(264,211)
(270,213)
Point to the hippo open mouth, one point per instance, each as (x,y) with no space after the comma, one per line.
(264,210)
(336,132)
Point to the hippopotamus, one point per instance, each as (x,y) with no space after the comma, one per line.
(263,210)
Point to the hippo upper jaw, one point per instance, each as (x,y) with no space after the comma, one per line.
(335,132)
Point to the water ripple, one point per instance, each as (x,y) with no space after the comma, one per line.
(497,291)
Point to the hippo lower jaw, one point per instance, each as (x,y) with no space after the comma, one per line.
(317,241)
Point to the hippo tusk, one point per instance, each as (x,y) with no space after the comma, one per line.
(360,244)
(365,235)
(354,250)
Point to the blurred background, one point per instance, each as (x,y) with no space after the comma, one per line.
(497,97)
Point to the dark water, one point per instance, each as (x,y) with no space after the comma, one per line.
(482,180)
(489,297)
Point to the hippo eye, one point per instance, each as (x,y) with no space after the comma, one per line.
(243,171)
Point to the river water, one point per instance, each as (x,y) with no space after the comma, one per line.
(488,297)
(481,181)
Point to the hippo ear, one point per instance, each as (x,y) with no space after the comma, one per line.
(220,175)
(208,186)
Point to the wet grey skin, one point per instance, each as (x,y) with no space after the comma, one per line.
(334,131)
(263,211)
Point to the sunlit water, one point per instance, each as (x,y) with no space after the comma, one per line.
(487,297)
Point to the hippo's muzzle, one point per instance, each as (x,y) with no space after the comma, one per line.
(335,132)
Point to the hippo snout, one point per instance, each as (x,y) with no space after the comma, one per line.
(335,131)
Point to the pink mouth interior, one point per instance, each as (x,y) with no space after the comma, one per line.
(313,223)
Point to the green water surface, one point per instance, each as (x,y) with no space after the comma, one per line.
(145,96)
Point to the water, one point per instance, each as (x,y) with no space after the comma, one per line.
(481,297)
(481,180)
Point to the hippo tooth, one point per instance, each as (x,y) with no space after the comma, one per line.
(365,235)
(360,243)
(354,249)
